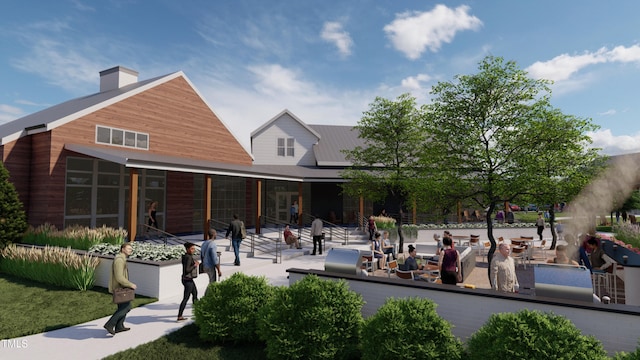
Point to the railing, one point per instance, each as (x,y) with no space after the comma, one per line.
(332,232)
(150,232)
(258,242)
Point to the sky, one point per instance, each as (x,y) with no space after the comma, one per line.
(325,60)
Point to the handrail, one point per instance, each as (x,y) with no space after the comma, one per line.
(340,233)
(257,241)
(164,235)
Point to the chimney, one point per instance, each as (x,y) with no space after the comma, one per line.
(116,78)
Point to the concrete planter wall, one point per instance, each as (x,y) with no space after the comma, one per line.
(158,280)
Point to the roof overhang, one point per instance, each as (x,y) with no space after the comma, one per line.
(145,160)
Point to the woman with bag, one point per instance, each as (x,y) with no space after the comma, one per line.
(120,279)
(449,264)
(189,272)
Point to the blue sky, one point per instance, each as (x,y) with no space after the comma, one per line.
(325,60)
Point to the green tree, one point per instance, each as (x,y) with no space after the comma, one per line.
(13,221)
(488,133)
(388,164)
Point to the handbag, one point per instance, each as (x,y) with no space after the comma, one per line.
(123,295)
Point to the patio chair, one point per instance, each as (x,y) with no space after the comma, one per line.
(485,249)
(402,274)
(519,253)
(392,267)
(368,262)
(542,248)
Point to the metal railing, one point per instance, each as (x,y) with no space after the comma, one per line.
(258,242)
(146,232)
(332,232)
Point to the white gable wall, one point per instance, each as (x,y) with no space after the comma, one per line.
(264,145)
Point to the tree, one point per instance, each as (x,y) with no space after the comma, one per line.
(13,221)
(389,162)
(488,132)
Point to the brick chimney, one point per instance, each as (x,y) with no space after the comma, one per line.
(116,78)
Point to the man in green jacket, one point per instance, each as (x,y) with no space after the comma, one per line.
(120,279)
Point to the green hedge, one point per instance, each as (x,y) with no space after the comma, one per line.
(51,265)
(312,319)
(411,327)
(532,335)
(229,310)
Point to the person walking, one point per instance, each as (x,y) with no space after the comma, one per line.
(293,212)
(189,272)
(209,257)
(120,279)
(503,271)
(316,233)
(540,225)
(237,231)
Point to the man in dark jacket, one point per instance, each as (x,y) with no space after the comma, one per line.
(236,230)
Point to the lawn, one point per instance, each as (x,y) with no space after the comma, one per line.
(185,344)
(29,307)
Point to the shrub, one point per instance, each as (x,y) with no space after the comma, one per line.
(144,251)
(312,319)
(532,335)
(51,265)
(627,356)
(13,220)
(229,310)
(384,222)
(77,237)
(409,328)
(628,233)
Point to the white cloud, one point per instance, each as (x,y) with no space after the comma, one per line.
(615,145)
(415,82)
(412,33)
(563,67)
(608,112)
(332,32)
(9,113)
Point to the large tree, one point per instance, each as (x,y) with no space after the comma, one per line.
(13,220)
(488,133)
(387,164)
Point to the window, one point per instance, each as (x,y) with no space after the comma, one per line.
(280,146)
(119,137)
(290,143)
(288,150)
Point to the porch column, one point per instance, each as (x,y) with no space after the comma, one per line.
(207,206)
(299,203)
(258,204)
(133,204)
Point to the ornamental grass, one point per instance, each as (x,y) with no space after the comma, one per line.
(50,265)
(77,237)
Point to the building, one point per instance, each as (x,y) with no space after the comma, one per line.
(101,159)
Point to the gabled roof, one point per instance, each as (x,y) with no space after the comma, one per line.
(334,139)
(61,114)
(273,119)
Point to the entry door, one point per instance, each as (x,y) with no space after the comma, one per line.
(283,204)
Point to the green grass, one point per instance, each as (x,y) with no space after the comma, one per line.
(28,307)
(185,344)
(526,216)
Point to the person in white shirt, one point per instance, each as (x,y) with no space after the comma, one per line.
(316,233)
(503,271)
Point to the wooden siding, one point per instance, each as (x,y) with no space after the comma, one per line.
(16,157)
(265,144)
(179,207)
(178,122)
(616,326)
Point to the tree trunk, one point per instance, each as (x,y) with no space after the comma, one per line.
(552,226)
(492,240)
(400,235)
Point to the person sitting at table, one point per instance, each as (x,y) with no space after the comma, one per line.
(449,264)
(290,239)
(387,247)
(598,260)
(410,263)
(561,257)
(378,253)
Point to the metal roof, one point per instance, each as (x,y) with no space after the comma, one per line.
(335,138)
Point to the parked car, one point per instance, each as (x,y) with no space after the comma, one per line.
(514,207)
(532,207)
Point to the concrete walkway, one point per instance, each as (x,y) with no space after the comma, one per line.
(150,322)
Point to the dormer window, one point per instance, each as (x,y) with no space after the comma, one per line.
(286,146)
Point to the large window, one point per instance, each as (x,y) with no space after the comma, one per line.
(286,148)
(120,137)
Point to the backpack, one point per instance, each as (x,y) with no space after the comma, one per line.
(243,230)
